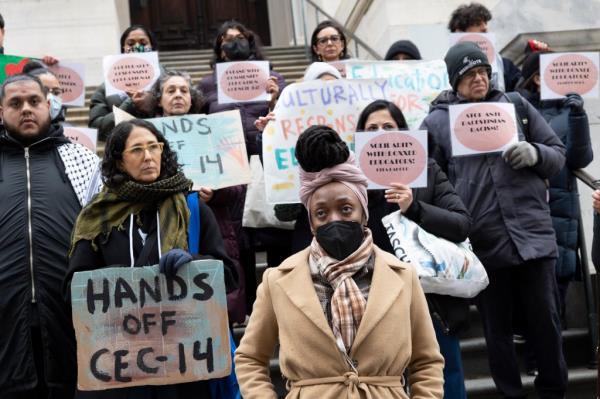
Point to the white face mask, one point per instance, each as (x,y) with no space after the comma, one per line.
(55,106)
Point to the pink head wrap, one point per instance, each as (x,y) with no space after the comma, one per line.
(346,173)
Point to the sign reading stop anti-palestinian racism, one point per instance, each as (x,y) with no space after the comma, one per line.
(136,327)
(244,81)
(392,157)
(479,128)
(82,135)
(565,73)
(71,77)
(130,72)
(485,41)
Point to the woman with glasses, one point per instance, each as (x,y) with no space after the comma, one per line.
(328,43)
(141,218)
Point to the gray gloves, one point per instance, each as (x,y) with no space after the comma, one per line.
(520,155)
(574,101)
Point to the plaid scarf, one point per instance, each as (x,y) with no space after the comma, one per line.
(348,304)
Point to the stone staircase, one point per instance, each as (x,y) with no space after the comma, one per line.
(288,61)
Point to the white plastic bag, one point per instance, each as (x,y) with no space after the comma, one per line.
(443,267)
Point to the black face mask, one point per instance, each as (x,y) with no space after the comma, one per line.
(237,50)
(340,239)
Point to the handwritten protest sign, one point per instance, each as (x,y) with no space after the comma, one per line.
(485,41)
(569,73)
(413,84)
(136,327)
(211,148)
(479,128)
(71,77)
(11,65)
(393,157)
(130,72)
(242,81)
(82,135)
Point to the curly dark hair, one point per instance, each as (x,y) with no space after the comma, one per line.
(313,39)
(468,15)
(253,40)
(320,147)
(378,105)
(195,93)
(112,175)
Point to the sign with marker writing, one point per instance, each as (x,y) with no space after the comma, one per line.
(130,72)
(12,65)
(387,157)
(71,77)
(82,135)
(563,73)
(479,128)
(136,327)
(485,41)
(244,81)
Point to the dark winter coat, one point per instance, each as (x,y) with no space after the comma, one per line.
(101,110)
(248,111)
(510,213)
(574,131)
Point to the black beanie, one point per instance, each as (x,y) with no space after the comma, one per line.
(531,66)
(463,57)
(403,46)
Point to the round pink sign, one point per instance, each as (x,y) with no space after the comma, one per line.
(484,44)
(243,81)
(393,158)
(484,127)
(131,74)
(571,73)
(79,137)
(71,83)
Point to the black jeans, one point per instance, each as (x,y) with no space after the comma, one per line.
(534,283)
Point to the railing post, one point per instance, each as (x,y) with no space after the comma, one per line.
(592,316)
(293,22)
(302,12)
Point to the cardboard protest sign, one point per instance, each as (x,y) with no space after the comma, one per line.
(244,81)
(130,72)
(413,84)
(564,73)
(485,41)
(82,135)
(136,327)
(479,128)
(71,77)
(387,157)
(11,65)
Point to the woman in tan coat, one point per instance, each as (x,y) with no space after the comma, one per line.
(349,317)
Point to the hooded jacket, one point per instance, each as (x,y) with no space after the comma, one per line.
(509,208)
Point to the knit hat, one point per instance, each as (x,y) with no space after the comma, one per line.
(403,46)
(318,69)
(531,66)
(463,57)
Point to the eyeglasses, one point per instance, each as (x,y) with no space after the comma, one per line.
(138,151)
(335,39)
(476,71)
(55,91)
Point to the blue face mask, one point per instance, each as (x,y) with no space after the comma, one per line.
(56,106)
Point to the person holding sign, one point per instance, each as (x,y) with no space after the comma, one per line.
(349,317)
(141,218)
(512,230)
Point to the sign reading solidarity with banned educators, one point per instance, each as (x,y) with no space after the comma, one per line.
(71,77)
(565,73)
(479,128)
(11,65)
(130,72)
(136,327)
(243,81)
(392,157)
(485,41)
(82,135)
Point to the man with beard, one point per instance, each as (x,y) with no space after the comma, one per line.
(44,182)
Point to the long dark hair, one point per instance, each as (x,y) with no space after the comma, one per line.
(142,28)
(112,175)
(378,105)
(313,40)
(253,40)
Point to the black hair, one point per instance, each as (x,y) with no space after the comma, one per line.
(21,77)
(1,22)
(35,68)
(150,35)
(378,105)
(468,15)
(253,41)
(195,94)
(313,39)
(320,147)
(112,175)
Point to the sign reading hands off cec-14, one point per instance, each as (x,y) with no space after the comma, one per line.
(136,327)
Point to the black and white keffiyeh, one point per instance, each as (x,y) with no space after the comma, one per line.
(82,167)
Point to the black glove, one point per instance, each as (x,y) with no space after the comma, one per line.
(574,101)
(173,260)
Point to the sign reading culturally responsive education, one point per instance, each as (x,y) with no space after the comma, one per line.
(485,41)
(82,135)
(565,73)
(479,128)
(71,77)
(136,327)
(243,81)
(11,65)
(392,157)
(130,72)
